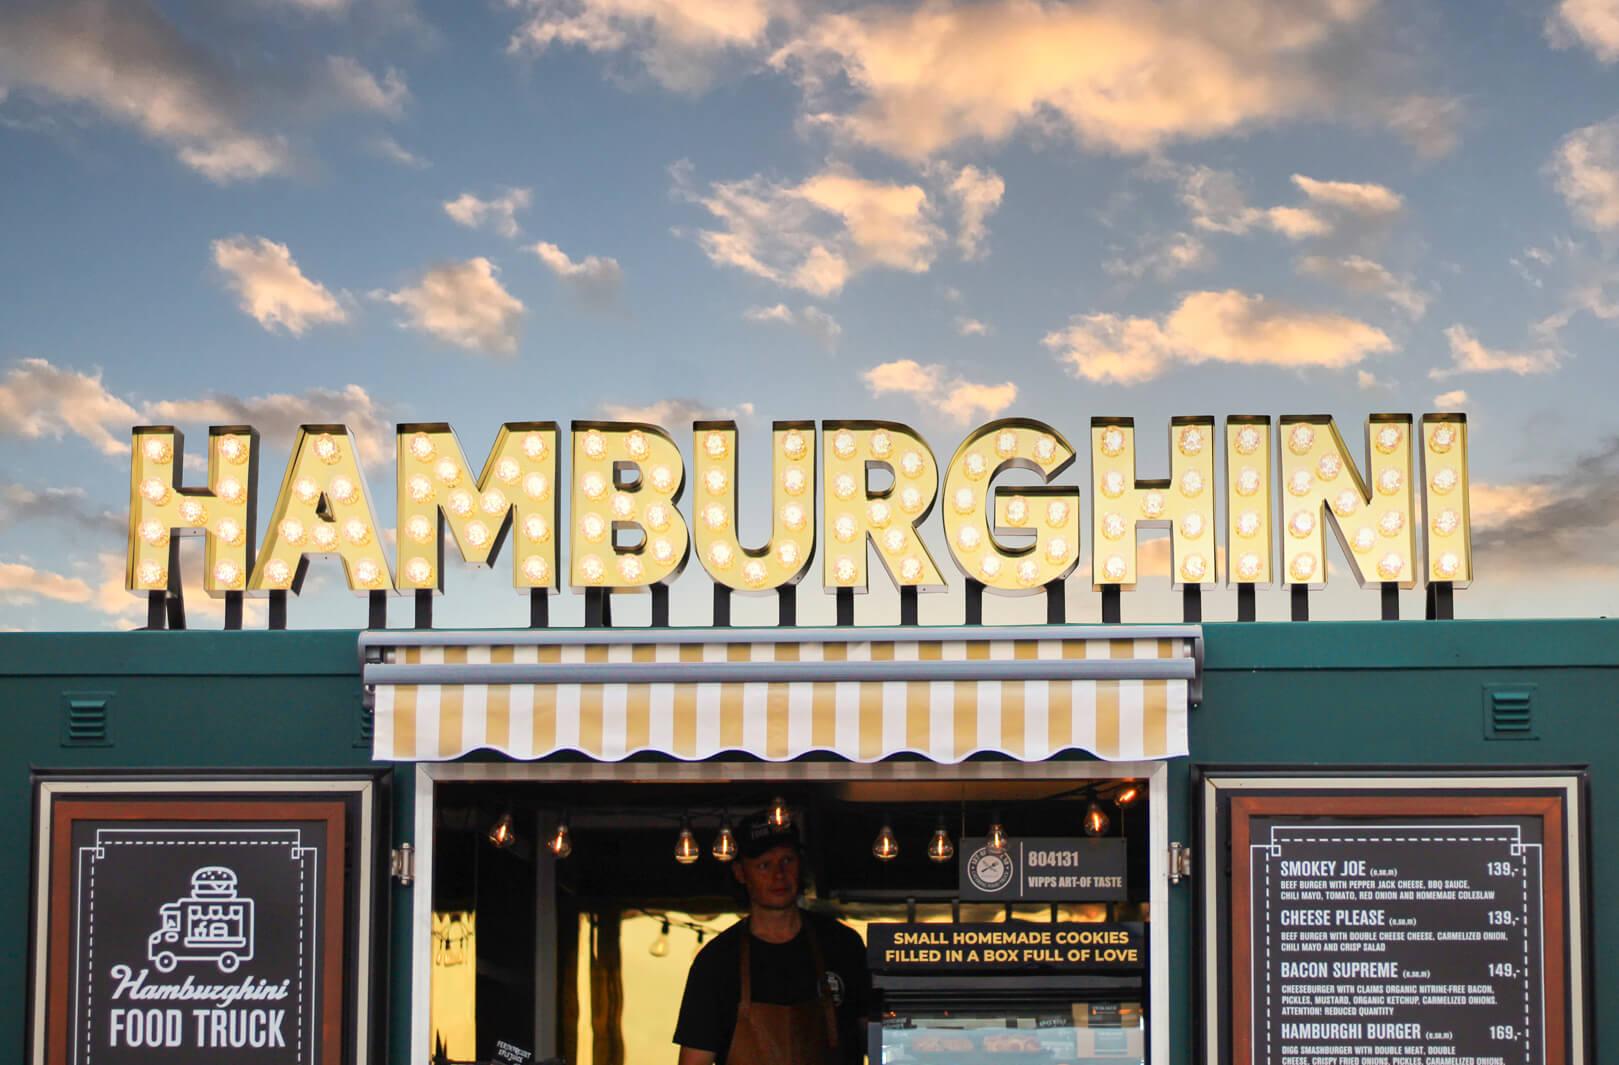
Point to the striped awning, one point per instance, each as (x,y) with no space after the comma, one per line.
(1119,692)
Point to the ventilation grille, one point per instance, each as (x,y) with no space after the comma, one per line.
(84,720)
(1509,713)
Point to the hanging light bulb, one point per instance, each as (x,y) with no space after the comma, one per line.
(995,841)
(779,816)
(561,841)
(660,946)
(941,848)
(1096,821)
(503,834)
(724,848)
(686,849)
(1127,795)
(885,848)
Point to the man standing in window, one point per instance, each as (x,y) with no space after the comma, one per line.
(783,986)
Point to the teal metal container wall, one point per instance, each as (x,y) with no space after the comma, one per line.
(191,700)
(1316,694)
(1410,694)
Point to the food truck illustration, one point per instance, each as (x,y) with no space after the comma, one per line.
(210,924)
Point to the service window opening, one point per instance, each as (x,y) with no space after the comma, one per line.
(565,917)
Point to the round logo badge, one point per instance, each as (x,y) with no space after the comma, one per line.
(990,871)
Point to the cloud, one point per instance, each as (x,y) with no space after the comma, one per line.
(1163,259)
(1360,274)
(1585,168)
(919,80)
(1296,223)
(277,415)
(676,413)
(22,583)
(817,234)
(1364,199)
(70,506)
(1455,399)
(594,279)
(363,90)
(1467,355)
(1230,327)
(1431,125)
(971,327)
(977,194)
(272,289)
(1215,203)
(1367,381)
(1570,513)
(812,321)
(678,43)
(1592,23)
(498,213)
(960,400)
(385,147)
(463,304)
(125,60)
(38,399)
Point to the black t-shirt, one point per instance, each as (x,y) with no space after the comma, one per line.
(782,974)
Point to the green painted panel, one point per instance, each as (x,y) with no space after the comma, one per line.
(1374,693)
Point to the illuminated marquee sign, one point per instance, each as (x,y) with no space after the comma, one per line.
(877,483)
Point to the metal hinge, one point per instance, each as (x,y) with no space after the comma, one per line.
(402,863)
(1180,862)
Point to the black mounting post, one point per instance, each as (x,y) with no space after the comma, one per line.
(1391,601)
(1441,604)
(593,607)
(539,608)
(1056,604)
(787,606)
(379,611)
(424,608)
(233,611)
(975,603)
(845,606)
(278,610)
(1247,607)
(907,606)
(607,608)
(1112,600)
(1192,604)
(660,606)
(156,617)
(174,604)
(1301,602)
(722,606)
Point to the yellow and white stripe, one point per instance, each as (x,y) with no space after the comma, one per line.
(779,717)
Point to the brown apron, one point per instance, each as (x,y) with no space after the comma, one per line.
(805,1033)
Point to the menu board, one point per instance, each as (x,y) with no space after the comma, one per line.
(1396,930)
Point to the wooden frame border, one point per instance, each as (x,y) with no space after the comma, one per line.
(353,804)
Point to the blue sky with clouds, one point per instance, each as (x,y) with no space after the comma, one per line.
(377,210)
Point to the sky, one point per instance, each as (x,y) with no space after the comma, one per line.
(374,211)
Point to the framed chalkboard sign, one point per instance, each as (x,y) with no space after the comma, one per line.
(206,920)
(1424,917)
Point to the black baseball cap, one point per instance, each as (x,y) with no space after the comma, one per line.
(756,835)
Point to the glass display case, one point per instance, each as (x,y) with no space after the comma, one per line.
(1041,1022)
